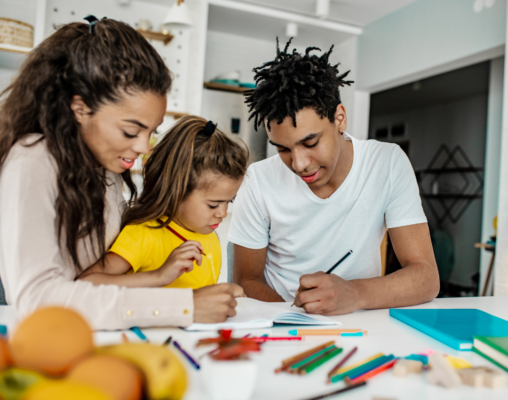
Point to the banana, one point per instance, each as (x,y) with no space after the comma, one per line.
(165,376)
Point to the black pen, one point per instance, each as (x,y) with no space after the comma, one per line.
(338,262)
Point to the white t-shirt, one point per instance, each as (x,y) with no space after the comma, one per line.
(305,234)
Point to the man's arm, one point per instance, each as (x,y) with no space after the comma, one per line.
(248,272)
(417,282)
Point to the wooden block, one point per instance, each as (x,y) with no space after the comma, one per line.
(483,376)
(443,372)
(404,367)
(433,378)
(495,379)
(472,377)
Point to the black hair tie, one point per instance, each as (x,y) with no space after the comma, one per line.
(92,20)
(209,129)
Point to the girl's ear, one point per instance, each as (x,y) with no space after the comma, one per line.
(80,109)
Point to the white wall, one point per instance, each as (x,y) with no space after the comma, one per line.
(462,122)
(492,160)
(419,39)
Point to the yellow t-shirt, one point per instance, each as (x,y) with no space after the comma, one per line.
(146,249)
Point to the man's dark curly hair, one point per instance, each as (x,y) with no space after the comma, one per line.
(292,82)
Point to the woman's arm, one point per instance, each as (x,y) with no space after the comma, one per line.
(36,273)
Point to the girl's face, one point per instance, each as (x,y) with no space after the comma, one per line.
(117,133)
(207,206)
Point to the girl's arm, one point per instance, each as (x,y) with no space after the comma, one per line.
(114,272)
(115,268)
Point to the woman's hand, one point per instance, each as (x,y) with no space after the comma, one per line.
(213,304)
(180,260)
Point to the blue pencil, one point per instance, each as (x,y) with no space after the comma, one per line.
(186,355)
(139,333)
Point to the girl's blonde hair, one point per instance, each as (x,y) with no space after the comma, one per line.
(172,172)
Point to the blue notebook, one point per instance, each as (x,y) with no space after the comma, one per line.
(453,327)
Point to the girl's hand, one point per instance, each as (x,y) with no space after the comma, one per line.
(179,261)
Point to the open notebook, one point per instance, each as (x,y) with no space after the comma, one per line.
(251,314)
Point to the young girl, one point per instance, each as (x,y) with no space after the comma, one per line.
(168,237)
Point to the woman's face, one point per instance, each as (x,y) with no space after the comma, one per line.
(117,133)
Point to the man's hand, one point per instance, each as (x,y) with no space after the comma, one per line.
(213,304)
(327,294)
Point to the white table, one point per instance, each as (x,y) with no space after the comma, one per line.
(385,335)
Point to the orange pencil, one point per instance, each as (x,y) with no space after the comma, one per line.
(371,373)
(125,339)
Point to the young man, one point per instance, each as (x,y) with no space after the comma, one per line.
(326,193)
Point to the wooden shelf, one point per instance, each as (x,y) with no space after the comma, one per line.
(163,37)
(225,88)
(12,56)
(176,114)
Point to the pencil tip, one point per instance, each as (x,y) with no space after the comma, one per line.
(293,332)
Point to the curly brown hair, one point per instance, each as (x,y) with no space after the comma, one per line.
(99,66)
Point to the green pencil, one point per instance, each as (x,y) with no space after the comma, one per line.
(321,360)
(310,359)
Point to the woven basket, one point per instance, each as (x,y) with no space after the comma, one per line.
(16,33)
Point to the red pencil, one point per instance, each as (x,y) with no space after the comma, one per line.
(341,363)
(371,373)
(175,233)
(273,338)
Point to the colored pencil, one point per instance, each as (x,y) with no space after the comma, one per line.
(342,362)
(298,368)
(167,342)
(263,339)
(336,392)
(323,332)
(353,333)
(356,372)
(125,339)
(345,369)
(247,335)
(175,233)
(321,361)
(186,355)
(372,373)
(309,359)
(139,333)
(338,262)
(288,362)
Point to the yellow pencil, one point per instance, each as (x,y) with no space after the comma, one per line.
(345,369)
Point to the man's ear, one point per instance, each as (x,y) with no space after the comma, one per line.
(341,117)
(80,109)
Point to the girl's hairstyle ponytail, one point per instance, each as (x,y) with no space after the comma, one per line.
(172,172)
(99,65)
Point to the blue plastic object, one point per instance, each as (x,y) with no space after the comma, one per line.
(418,357)
(3,330)
(453,327)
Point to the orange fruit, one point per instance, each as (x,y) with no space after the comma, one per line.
(51,340)
(5,353)
(64,390)
(116,377)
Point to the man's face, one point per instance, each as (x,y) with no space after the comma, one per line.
(312,149)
